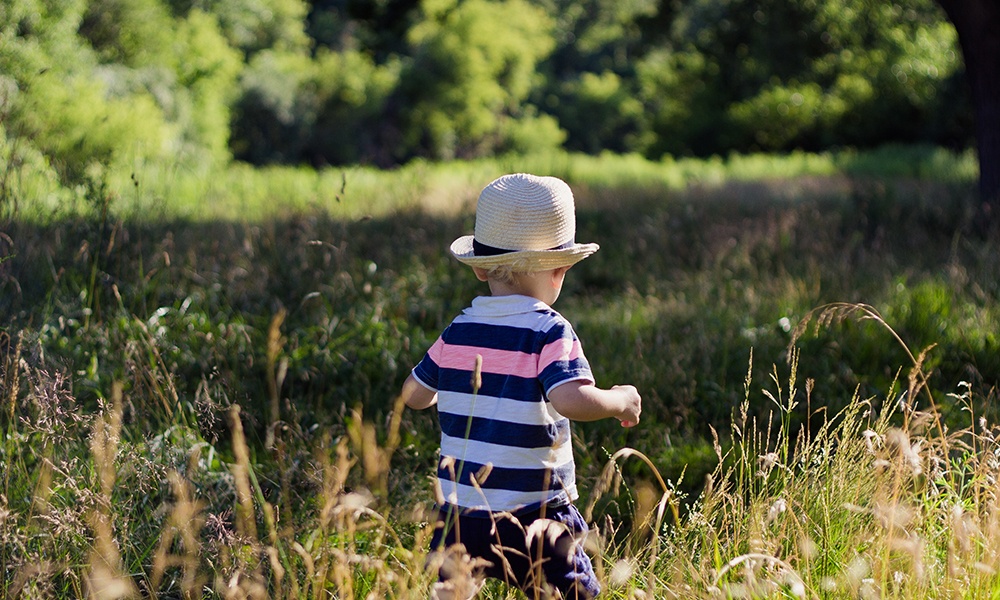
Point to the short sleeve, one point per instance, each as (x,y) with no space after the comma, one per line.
(427,370)
(561,358)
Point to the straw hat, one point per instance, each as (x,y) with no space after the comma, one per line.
(524,221)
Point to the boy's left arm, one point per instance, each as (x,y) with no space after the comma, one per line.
(584,401)
(416,395)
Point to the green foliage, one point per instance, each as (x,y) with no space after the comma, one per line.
(383,82)
(531,133)
(598,35)
(915,161)
(780,117)
(255,25)
(29,186)
(603,114)
(354,95)
(473,64)
(109,86)
(275,110)
(377,26)
(206,69)
(681,106)
(80,124)
(782,75)
(135,33)
(323,110)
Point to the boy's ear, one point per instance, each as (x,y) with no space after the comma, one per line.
(480,273)
(558,274)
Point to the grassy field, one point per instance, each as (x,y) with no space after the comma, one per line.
(199,373)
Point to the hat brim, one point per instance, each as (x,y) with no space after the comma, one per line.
(526,261)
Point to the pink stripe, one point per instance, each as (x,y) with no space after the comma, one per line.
(435,351)
(507,362)
(559,350)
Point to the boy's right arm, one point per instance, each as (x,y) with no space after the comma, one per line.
(416,395)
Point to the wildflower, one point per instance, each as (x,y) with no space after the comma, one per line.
(795,585)
(908,453)
(622,571)
(776,509)
(766,463)
(872,440)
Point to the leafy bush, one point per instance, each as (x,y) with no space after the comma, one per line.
(781,117)
(473,64)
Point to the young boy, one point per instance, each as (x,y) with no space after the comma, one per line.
(508,375)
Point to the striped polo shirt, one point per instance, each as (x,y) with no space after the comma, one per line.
(506,434)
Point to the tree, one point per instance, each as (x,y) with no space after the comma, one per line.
(473,67)
(255,25)
(977,23)
(62,103)
(779,75)
(377,26)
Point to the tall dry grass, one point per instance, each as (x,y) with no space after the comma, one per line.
(881,500)
(89,508)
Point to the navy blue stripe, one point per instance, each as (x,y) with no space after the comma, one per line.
(520,480)
(496,337)
(427,371)
(493,384)
(562,370)
(504,433)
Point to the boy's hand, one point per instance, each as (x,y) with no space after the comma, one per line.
(632,405)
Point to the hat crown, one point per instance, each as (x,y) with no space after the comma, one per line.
(525,212)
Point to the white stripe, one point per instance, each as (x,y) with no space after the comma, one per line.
(507,457)
(467,496)
(498,409)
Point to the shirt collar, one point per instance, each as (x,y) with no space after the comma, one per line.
(502,306)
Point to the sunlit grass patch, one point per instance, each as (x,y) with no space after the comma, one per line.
(239,192)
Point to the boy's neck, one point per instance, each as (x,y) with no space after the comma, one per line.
(501,289)
(544,286)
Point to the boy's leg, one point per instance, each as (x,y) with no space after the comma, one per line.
(558,540)
(517,551)
(462,583)
(459,564)
(493,546)
(537,551)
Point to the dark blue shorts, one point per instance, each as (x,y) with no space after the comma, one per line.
(557,557)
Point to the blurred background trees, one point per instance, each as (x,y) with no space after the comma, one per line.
(85,84)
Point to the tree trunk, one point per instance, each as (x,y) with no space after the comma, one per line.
(978,25)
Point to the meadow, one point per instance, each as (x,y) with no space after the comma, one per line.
(199,373)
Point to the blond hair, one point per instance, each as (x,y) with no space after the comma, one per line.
(506,274)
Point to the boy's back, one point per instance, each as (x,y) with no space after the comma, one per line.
(507,376)
(525,349)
